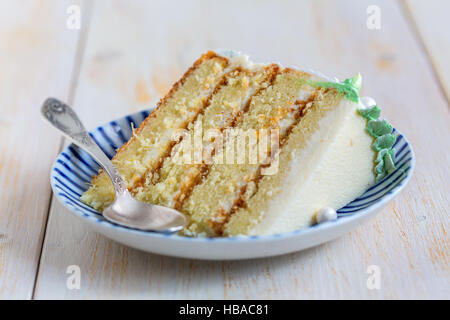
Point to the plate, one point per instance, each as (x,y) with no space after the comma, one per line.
(73,169)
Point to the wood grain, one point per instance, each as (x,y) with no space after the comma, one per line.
(36,57)
(134,52)
(430,19)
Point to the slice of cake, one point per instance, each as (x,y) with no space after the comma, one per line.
(246,149)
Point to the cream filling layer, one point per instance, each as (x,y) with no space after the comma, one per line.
(333,169)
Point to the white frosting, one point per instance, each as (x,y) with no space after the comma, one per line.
(333,169)
(238,58)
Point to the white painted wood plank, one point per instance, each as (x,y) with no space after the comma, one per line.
(137,49)
(431,21)
(37,52)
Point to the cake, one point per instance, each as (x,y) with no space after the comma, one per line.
(250,149)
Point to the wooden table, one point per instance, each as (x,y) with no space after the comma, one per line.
(125,57)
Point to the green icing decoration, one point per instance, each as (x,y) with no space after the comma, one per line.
(349,87)
(389,164)
(380,155)
(385,141)
(380,177)
(381,130)
(377,128)
(379,168)
(385,163)
(370,113)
